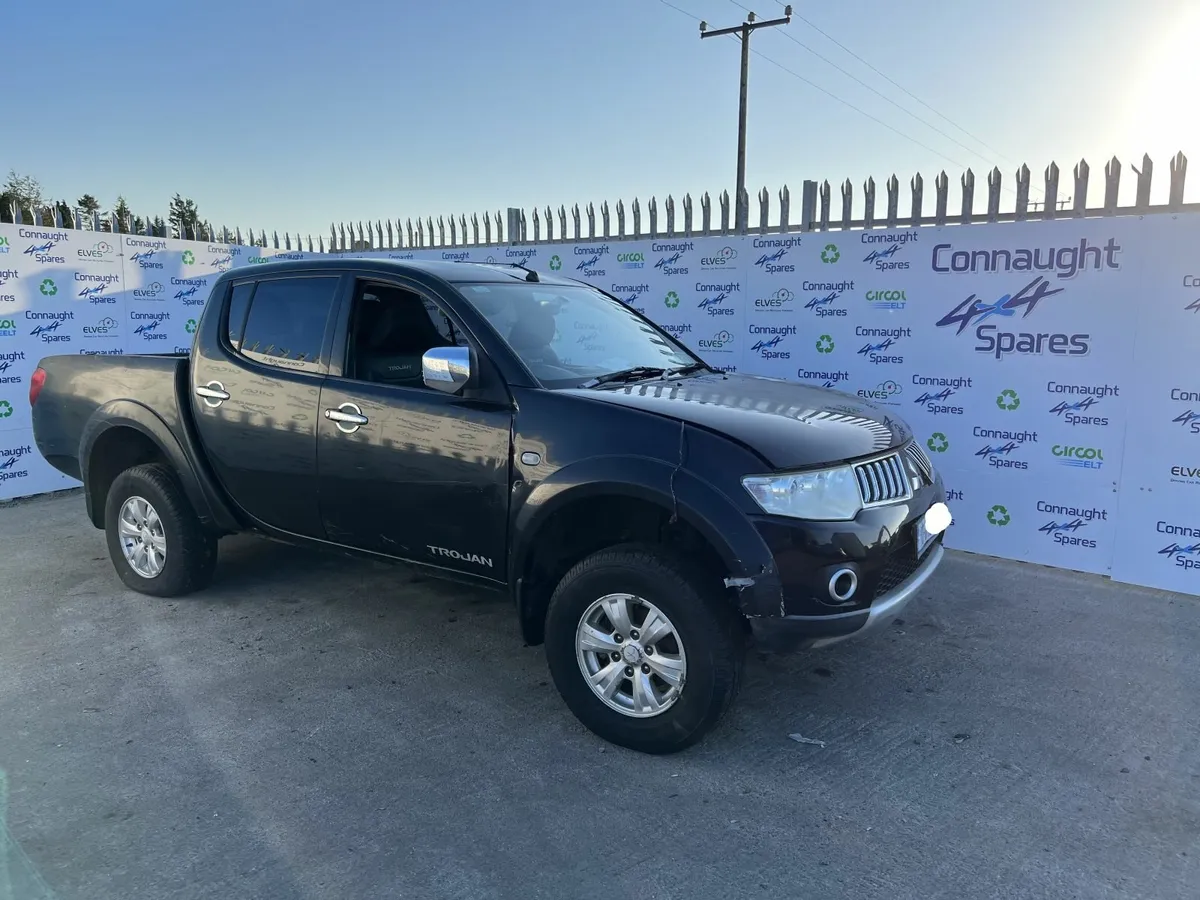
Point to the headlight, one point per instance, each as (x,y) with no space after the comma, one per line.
(829,495)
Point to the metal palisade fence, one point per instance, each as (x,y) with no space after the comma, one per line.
(816,213)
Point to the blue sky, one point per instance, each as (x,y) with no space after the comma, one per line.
(287,115)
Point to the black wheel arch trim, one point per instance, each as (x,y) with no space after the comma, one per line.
(744,555)
(201,491)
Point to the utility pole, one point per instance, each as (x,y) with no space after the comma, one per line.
(743,31)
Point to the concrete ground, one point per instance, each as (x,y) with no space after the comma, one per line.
(315,727)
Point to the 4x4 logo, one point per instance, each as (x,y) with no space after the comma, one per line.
(1194,306)
(975,310)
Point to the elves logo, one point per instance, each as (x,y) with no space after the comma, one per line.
(719,341)
(883,392)
(461,557)
(1001,343)
(777,300)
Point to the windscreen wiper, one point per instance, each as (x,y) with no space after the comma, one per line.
(686,370)
(632,374)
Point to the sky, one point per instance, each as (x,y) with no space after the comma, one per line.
(291,115)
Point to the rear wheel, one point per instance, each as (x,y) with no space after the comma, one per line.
(155,541)
(644,655)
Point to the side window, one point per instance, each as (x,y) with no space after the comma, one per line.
(239,303)
(390,330)
(286,323)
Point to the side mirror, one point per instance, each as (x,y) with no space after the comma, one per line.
(446,369)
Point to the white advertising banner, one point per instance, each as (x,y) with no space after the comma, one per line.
(1047,367)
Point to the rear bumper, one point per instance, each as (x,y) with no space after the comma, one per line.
(787,633)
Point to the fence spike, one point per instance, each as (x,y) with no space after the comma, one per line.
(605,218)
(287,241)
(1050,208)
(743,211)
(893,200)
(785,209)
(420,233)
(869,203)
(724,199)
(652,210)
(523,237)
(1142,201)
(620,219)
(994,181)
(808,205)
(968,196)
(462,220)
(706,214)
(238,236)
(917,187)
(669,206)
(847,203)
(320,244)
(764,210)
(687,215)
(487,229)
(941,185)
(500,229)
(1022,207)
(549,224)
(389,235)
(431,244)
(637,219)
(275,235)
(537,226)
(1178,168)
(1112,182)
(591,216)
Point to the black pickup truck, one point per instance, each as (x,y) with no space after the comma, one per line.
(517,430)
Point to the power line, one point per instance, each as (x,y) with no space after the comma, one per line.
(901,87)
(875,90)
(846,103)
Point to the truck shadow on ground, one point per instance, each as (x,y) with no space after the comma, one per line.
(780,694)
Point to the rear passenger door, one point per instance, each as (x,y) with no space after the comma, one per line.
(256,391)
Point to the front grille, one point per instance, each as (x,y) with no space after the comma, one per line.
(883,480)
(920,460)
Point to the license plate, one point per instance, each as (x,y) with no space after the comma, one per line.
(923,537)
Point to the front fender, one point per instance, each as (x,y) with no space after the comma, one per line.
(743,553)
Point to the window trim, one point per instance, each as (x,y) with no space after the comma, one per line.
(323,367)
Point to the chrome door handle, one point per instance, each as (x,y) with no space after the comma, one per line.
(213,393)
(348,417)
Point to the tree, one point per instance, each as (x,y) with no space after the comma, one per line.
(159,227)
(24,191)
(184,217)
(89,204)
(123,214)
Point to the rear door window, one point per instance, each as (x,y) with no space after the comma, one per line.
(285,326)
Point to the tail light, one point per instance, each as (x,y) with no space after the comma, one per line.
(35,384)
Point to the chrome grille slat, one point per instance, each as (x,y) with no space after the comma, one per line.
(883,480)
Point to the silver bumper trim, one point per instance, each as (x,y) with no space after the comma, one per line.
(889,606)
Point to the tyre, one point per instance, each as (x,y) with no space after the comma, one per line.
(156,543)
(644,655)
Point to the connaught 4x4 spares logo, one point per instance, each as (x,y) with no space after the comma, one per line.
(1184,547)
(14,461)
(993,321)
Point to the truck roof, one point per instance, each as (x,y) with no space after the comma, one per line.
(446,270)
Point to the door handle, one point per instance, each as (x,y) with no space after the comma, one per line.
(213,393)
(348,417)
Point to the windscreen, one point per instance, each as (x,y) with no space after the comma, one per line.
(567,335)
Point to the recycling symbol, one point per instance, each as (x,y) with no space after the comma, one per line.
(938,443)
(830,254)
(1008,400)
(190,326)
(672,300)
(998,515)
(48,288)
(825,344)
(555,263)
(188,257)
(5,409)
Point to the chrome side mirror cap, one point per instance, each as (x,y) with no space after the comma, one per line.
(446,369)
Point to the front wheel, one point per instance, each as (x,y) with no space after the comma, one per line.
(644,655)
(155,541)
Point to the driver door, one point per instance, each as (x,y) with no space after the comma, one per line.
(419,475)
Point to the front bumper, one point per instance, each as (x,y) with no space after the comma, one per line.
(879,547)
(785,633)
